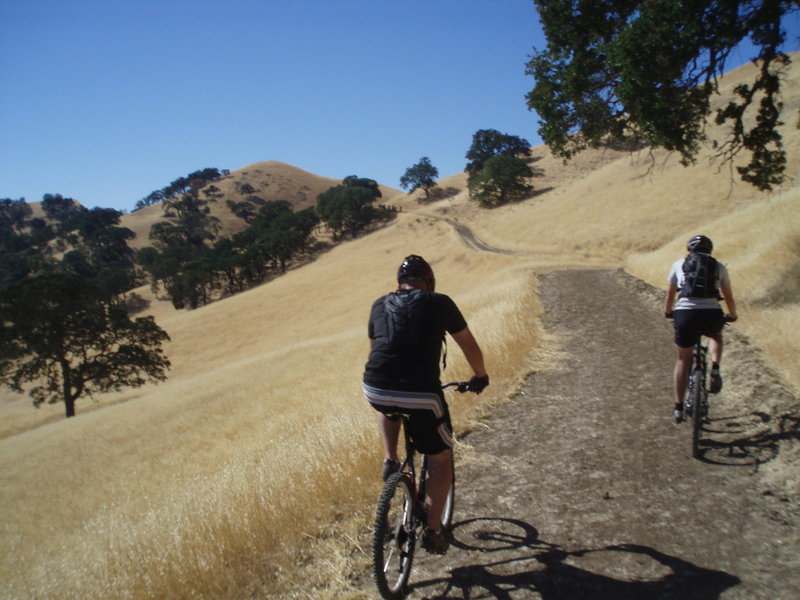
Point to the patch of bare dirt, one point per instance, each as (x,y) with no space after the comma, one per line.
(583,487)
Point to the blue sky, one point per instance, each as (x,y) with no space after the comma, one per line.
(107,100)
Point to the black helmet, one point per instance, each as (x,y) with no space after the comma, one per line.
(700,243)
(416,267)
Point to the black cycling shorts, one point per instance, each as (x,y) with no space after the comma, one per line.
(691,324)
(428,416)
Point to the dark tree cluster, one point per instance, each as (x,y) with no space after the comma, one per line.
(194,273)
(497,173)
(193,181)
(488,143)
(349,208)
(90,243)
(64,329)
(66,279)
(193,267)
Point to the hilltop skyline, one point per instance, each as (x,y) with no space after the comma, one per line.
(107,101)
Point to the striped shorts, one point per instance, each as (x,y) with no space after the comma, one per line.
(428,416)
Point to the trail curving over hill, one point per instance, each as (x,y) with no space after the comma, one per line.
(472,240)
(582,487)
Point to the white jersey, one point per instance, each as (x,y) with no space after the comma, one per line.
(676,277)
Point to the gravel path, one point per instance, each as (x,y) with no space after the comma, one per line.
(582,487)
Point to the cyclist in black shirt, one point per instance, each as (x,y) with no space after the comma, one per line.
(406,331)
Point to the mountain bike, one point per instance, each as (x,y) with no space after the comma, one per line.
(401,517)
(695,400)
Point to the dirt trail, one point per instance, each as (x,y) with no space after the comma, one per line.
(582,487)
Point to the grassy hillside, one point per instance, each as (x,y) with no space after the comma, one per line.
(228,480)
(271,180)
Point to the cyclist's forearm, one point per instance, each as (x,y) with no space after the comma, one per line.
(475,360)
(669,299)
(472,351)
(730,303)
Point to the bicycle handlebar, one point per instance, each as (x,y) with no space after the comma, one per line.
(461,386)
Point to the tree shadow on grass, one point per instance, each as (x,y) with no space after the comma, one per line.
(439,193)
(510,561)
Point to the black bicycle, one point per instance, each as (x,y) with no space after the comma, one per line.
(401,517)
(695,400)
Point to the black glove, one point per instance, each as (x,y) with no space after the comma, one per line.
(478,384)
(668,315)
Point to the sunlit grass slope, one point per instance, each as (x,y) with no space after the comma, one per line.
(252,471)
(217,483)
(641,208)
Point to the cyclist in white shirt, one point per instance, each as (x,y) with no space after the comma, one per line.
(697,314)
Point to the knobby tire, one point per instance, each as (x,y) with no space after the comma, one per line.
(697,386)
(395,537)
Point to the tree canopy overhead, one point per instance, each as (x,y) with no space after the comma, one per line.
(646,70)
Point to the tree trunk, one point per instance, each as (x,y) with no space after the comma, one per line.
(69,397)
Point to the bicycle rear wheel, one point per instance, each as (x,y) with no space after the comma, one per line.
(697,386)
(395,537)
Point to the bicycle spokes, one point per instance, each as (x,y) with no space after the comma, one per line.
(395,536)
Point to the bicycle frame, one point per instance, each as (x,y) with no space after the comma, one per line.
(408,468)
(400,517)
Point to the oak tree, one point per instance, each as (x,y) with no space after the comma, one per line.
(61,339)
(420,176)
(645,71)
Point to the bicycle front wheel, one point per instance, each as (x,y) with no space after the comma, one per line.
(395,537)
(450,501)
(697,386)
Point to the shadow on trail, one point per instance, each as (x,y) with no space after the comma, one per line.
(511,561)
(757,438)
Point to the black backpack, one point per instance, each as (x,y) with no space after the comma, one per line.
(405,313)
(699,276)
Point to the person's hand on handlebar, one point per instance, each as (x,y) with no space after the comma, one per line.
(478,384)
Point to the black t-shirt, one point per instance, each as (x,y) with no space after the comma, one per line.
(416,368)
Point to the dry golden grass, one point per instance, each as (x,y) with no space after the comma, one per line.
(254,466)
(215,483)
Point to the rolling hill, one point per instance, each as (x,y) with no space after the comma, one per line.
(269,180)
(200,481)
